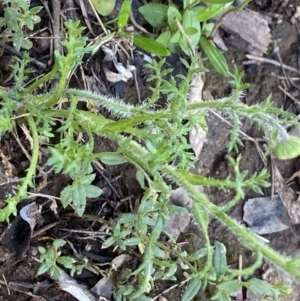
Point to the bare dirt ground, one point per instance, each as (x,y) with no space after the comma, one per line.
(18,277)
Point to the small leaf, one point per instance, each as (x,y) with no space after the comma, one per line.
(173,13)
(26,44)
(42,250)
(177,209)
(176,37)
(58,243)
(198,254)
(126,218)
(231,287)
(219,259)
(141,178)
(215,56)
(287,149)
(190,21)
(44,267)
(156,14)
(191,290)
(132,241)
(111,158)
(150,46)
(92,191)
(35,10)
(109,242)
(17,38)
(124,14)
(104,7)
(66,261)
(156,231)
(187,3)
(191,31)
(213,11)
(217,1)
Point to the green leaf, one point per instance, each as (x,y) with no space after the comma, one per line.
(259,287)
(207,29)
(17,38)
(127,218)
(132,241)
(190,21)
(287,149)
(215,56)
(191,290)
(173,13)
(92,191)
(231,287)
(111,158)
(12,16)
(35,10)
(213,11)
(44,267)
(104,7)
(156,231)
(58,243)
(177,209)
(217,1)
(156,14)
(140,178)
(176,37)
(109,242)
(77,194)
(191,31)
(42,250)
(187,3)
(26,44)
(66,261)
(164,38)
(219,259)
(198,254)
(124,14)
(143,298)
(150,46)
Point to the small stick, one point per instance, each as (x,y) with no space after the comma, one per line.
(276,49)
(166,291)
(269,61)
(135,24)
(289,95)
(186,36)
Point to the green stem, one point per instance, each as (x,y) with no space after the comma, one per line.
(42,80)
(12,202)
(247,238)
(34,157)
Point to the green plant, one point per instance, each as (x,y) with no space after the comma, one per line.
(51,256)
(178,30)
(17,16)
(154,141)
(188,28)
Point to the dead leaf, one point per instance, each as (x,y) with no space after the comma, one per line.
(177,223)
(70,285)
(288,196)
(105,286)
(264,216)
(252,27)
(30,212)
(197,135)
